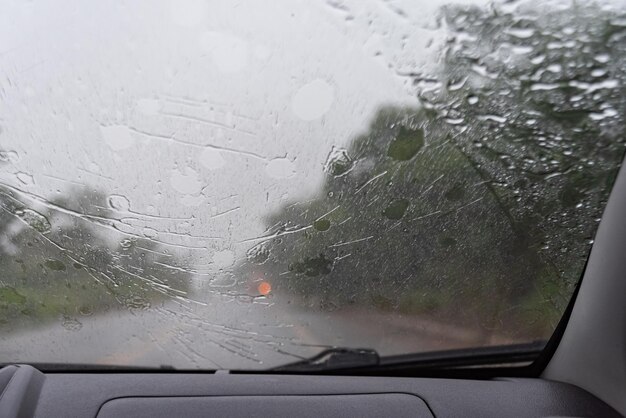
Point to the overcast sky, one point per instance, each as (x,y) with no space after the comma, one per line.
(218,111)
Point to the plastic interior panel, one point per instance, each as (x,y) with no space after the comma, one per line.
(592,351)
(82,395)
(313,406)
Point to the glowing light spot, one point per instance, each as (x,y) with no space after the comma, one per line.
(264,288)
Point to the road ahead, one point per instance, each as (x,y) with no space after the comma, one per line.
(223,333)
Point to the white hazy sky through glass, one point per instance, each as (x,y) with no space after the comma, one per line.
(198,108)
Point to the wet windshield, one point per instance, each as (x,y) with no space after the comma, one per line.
(217,184)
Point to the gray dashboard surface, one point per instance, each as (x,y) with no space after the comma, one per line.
(312,406)
(195,395)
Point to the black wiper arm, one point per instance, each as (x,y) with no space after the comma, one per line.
(367,361)
(334,359)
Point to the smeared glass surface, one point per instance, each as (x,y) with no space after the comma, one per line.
(218,185)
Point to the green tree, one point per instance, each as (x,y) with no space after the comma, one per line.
(63,258)
(479,206)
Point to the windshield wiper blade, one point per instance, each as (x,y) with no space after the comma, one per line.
(460,361)
(467,357)
(334,359)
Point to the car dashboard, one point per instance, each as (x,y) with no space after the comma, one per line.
(27,392)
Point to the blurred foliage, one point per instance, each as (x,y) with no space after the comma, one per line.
(479,206)
(59,260)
